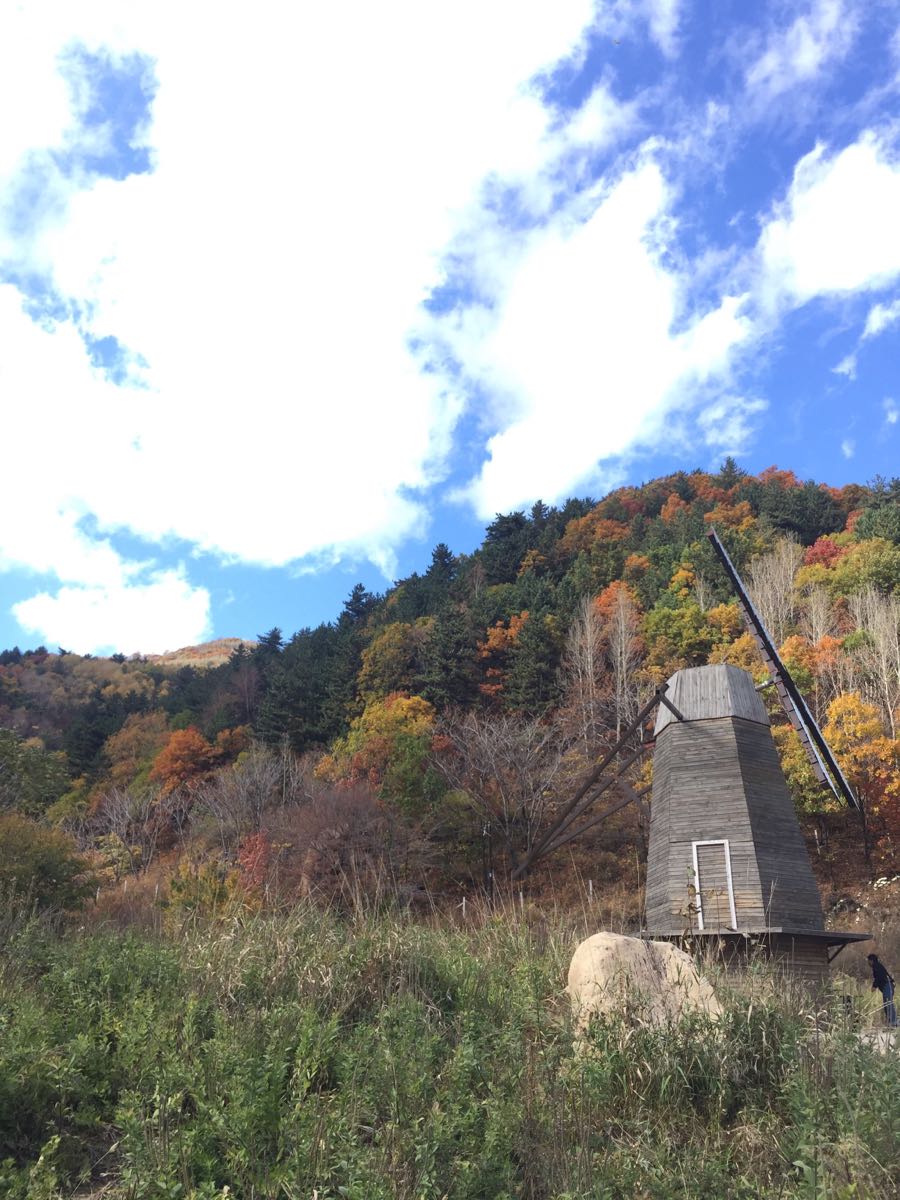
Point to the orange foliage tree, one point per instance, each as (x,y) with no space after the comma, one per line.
(733,516)
(824,550)
(584,532)
(871,761)
(131,751)
(493,652)
(188,758)
(778,478)
(673,506)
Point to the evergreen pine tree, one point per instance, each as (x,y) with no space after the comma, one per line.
(449,675)
(532,682)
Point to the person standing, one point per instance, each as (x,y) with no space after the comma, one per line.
(885,984)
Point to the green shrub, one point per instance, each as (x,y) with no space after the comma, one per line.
(279,1056)
(40,865)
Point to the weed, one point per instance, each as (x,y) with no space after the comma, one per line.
(261,1056)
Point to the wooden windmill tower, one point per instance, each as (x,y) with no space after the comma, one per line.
(726,856)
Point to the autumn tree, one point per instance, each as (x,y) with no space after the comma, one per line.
(770,582)
(130,822)
(131,752)
(235,798)
(494,653)
(584,670)
(871,761)
(816,614)
(40,866)
(805,789)
(388,747)
(873,562)
(877,616)
(392,661)
(677,636)
(624,649)
(31,778)
(509,769)
(186,758)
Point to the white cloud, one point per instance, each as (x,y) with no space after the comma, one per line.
(837,231)
(848,447)
(107,601)
(798,54)
(847,366)
(152,617)
(269,272)
(663,17)
(728,424)
(880,317)
(627,20)
(578,343)
(311,170)
(891,411)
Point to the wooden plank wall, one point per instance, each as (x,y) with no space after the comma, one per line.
(789,890)
(721,778)
(797,957)
(698,795)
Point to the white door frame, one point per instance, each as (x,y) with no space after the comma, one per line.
(699,898)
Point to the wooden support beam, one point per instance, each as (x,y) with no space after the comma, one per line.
(594,821)
(606,784)
(671,707)
(548,845)
(592,778)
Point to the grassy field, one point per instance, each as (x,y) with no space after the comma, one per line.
(310,1055)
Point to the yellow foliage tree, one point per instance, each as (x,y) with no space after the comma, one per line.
(391,661)
(871,761)
(387,748)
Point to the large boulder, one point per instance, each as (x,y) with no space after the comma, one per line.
(650,983)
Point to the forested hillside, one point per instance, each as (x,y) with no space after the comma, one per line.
(468,696)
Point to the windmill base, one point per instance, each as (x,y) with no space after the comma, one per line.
(801,955)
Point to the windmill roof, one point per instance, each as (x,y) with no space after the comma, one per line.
(705,693)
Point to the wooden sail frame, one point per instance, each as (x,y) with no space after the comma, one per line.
(825,766)
(564,828)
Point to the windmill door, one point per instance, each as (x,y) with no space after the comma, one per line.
(714,888)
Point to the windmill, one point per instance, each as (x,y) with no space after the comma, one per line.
(726,857)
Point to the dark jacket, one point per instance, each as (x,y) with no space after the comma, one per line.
(880,977)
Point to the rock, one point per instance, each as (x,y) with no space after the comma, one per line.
(882,1041)
(651,983)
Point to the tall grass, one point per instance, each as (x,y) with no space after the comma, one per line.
(373,1055)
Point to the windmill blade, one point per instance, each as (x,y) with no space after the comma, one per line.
(824,765)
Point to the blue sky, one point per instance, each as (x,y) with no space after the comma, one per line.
(287,299)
